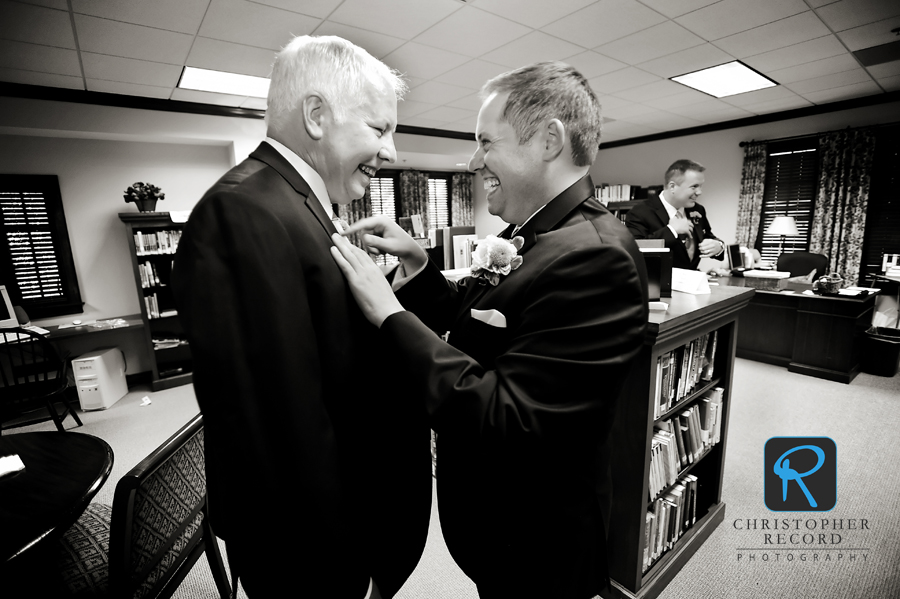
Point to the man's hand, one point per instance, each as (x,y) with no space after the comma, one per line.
(710,247)
(381,235)
(369,287)
(681,226)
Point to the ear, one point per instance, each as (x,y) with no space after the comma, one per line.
(313,110)
(554,139)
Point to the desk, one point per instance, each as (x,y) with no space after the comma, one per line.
(810,334)
(63,472)
(56,333)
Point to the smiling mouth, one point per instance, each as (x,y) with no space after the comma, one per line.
(368,170)
(491,183)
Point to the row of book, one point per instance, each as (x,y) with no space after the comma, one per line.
(681,370)
(615,193)
(682,439)
(151,303)
(160,242)
(668,519)
(149,275)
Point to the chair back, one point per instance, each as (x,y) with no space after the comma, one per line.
(159,523)
(802,263)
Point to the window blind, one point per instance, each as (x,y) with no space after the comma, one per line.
(381,192)
(438,203)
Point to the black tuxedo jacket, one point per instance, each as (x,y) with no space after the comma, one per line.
(319,474)
(523,412)
(649,220)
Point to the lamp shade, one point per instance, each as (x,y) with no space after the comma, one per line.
(783,225)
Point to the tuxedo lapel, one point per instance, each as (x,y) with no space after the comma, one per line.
(556,211)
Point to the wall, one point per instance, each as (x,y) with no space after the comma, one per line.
(645,164)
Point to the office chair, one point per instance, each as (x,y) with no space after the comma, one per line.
(802,263)
(32,377)
(155,531)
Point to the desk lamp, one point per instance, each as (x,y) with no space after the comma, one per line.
(782,225)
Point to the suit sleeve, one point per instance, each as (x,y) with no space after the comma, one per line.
(579,328)
(643,224)
(242,296)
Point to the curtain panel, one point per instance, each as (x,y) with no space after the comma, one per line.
(414,194)
(753,185)
(462,213)
(839,219)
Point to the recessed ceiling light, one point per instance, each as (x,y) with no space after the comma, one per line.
(224,83)
(461,164)
(726,79)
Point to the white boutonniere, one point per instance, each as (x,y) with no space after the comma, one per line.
(695,217)
(494,257)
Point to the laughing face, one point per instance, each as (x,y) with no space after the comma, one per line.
(684,193)
(355,148)
(510,170)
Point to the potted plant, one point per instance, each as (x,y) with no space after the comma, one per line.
(144,195)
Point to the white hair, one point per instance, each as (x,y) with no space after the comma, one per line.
(338,70)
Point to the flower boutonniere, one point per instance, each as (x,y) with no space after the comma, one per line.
(695,217)
(494,257)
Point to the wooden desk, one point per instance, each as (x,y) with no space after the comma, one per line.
(809,334)
(63,472)
(56,333)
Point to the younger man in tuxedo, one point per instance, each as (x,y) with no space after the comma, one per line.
(320,487)
(676,217)
(523,396)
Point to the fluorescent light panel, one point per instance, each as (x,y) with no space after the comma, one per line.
(224,83)
(726,79)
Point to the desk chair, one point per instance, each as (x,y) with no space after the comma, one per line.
(801,264)
(32,377)
(155,531)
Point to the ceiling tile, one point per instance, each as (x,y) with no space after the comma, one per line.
(887,69)
(626,129)
(232,58)
(590,64)
(846,92)
(537,14)
(651,43)
(57,4)
(792,30)
(687,61)
(688,96)
(732,16)
(534,47)
(778,105)
(657,89)
(255,104)
(423,61)
(36,25)
(873,34)
(759,96)
(471,32)
(129,70)
(413,82)
(818,3)
(400,18)
(472,75)
(710,111)
(623,79)
(663,120)
(463,126)
(254,24)
(417,121)
(623,112)
(850,77)
(472,103)
(131,41)
(890,84)
(174,15)
(603,22)
(128,89)
(817,49)
(818,68)
(676,8)
(32,57)
(192,95)
(411,108)
(847,14)
(448,114)
(434,92)
(611,102)
(377,44)
(313,8)
(44,79)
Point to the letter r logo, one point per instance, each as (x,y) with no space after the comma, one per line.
(800,474)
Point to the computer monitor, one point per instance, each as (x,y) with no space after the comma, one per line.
(8,318)
(735,261)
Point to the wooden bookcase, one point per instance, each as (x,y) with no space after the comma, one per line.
(688,317)
(171,362)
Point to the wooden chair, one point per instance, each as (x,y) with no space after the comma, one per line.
(155,531)
(802,263)
(32,376)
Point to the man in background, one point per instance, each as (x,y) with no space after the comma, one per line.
(523,396)
(319,484)
(676,217)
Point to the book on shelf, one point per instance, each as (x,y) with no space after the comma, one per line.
(156,242)
(680,371)
(668,518)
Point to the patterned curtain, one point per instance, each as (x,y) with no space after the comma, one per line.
(354,211)
(839,218)
(414,194)
(462,213)
(753,183)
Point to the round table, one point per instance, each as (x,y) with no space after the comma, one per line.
(63,472)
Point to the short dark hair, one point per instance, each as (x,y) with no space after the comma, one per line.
(679,167)
(551,90)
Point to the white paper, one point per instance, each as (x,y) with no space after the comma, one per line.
(689,281)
